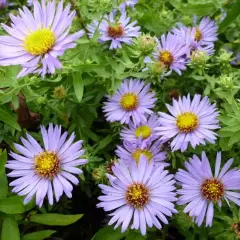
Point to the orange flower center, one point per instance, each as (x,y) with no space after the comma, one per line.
(212,189)
(115,31)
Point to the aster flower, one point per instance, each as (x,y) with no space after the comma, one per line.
(201,189)
(206,32)
(190,122)
(117,31)
(39,170)
(141,194)
(142,132)
(128,3)
(152,151)
(3,3)
(187,35)
(131,101)
(172,52)
(36,40)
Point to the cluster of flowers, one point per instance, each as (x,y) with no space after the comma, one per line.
(142,190)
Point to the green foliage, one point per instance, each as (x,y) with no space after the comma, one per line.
(10,229)
(52,219)
(40,235)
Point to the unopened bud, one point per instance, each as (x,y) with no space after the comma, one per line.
(59,92)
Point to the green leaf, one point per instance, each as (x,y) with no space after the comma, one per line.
(3,176)
(231,16)
(40,235)
(234,138)
(135,236)
(12,205)
(53,219)
(78,85)
(200,9)
(108,233)
(10,229)
(103,143)
(9,118)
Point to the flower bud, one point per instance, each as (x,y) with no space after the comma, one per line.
(98,174)
(59,92)
(199,57)
(145,44)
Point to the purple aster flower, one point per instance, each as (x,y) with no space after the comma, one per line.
(39,170)
(131,101)
(36,40)
(3,3)
(206,32)
(190,122)
(142,132)
(152,151)
(116,31)
(201,189)
(187,35)
(172,52)
(141,193)
(128,3)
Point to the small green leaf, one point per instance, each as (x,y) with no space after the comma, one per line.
(103,143)
(53,219)
(231,16)
(10,230)
(40,235)
(108,233)
(234,138)
(10,119)
(12,205)
(78,85)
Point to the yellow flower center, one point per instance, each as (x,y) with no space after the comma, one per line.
(138,152)
(187,122)
(40,41)
(137,195)
(198,35)
(47,164)
(212,189)
(143,131)
(115,31)
(129,101)
(166,57)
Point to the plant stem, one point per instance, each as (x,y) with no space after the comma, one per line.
(73,2)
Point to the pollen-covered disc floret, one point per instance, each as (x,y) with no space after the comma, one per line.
(187,122)
(138,152)
(47,164)
(40,41)
(47,171)
(114,29)
(139,195)
(166,57)
(172,52)
(143,132)
(190,122)
(130,152)
(130,102)
(201,189)
(37,39)
(212,189)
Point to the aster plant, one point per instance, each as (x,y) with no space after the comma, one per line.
(117,31)
(37,39)
(139,195)
(131,101)
(47,171)
(201,189)
(190,122)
